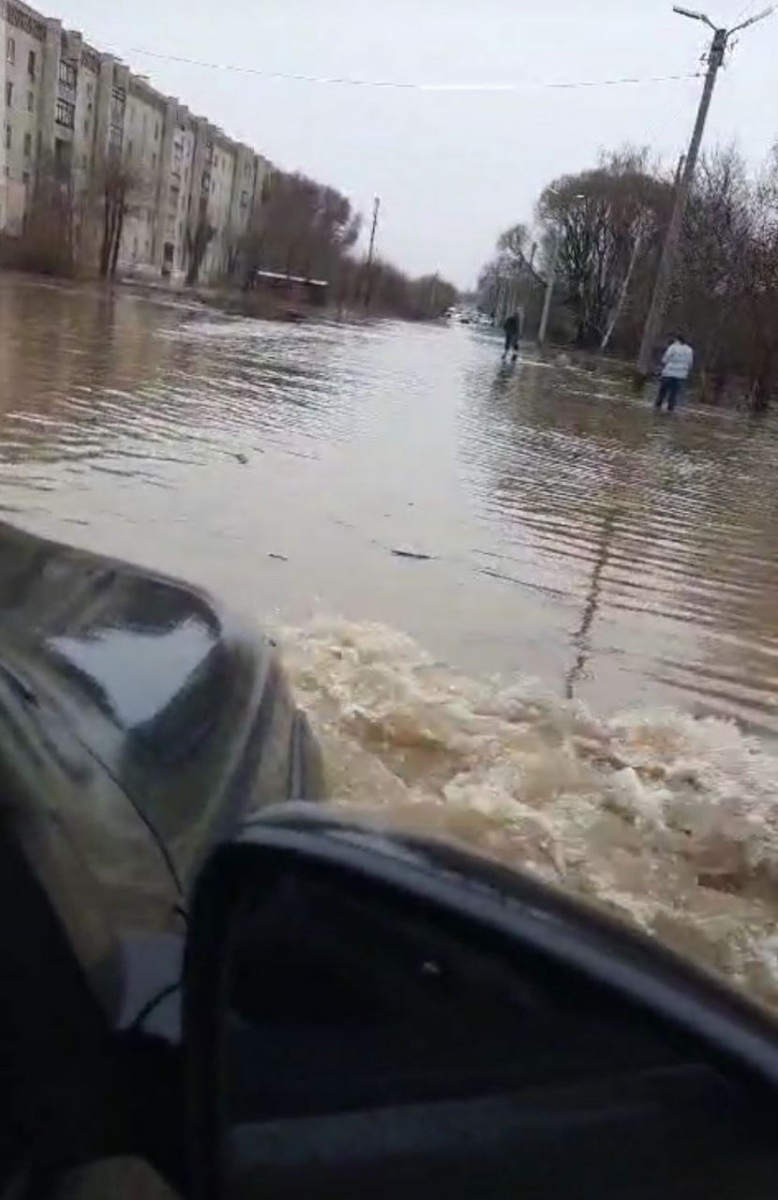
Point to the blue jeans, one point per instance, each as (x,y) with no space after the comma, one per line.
(669,390)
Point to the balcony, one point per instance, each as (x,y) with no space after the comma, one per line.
(68,81)
(65,114)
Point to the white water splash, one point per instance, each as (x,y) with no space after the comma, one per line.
(669,820)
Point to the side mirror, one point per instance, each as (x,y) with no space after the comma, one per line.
(367,1014)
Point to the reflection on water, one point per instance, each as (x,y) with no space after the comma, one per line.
(627,561)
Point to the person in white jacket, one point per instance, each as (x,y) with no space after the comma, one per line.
(677,362)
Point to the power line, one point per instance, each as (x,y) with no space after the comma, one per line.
(401,85)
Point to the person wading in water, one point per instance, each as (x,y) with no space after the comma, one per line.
(511,330)
(677,362)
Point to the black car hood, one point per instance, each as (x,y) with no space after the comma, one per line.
(133,710)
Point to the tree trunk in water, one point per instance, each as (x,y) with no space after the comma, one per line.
(193,269)
(117,241)
(105,249)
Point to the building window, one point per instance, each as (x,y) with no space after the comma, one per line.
(67,73)
(32,64)
(8,137)
(27,145)
(9,95)
(86,127)
(89,91)
(30,102)
(84,162)
(10,50)
(154,161)
(129,148)
(65,114)
(26,178)
(63,156)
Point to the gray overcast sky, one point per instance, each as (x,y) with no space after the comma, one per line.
(452,169)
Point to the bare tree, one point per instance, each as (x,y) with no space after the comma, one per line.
(758,291)
(48,241)
(117,187)
(606,221)
(198,239)
(300,228)
(513,244)
(710,284)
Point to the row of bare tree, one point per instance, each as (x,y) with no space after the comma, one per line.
(606,226)
(301,227)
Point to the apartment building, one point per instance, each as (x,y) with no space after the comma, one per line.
(70,109)
(25,40)
(143,135)
(174,190)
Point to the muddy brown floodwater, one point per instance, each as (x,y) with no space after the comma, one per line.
(572,663)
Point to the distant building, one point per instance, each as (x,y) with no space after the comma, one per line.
(67,108)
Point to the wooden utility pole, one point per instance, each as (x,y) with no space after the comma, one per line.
(434,295)
(370,252)
(664,278)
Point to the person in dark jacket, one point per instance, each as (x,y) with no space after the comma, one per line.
(511,328)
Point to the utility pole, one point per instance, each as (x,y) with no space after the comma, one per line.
(656,312)
(434,295)
(549,286)
(370,250)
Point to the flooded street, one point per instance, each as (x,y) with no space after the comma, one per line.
(583,604)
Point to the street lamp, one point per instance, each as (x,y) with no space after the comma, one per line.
(701,16)
(693,16)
